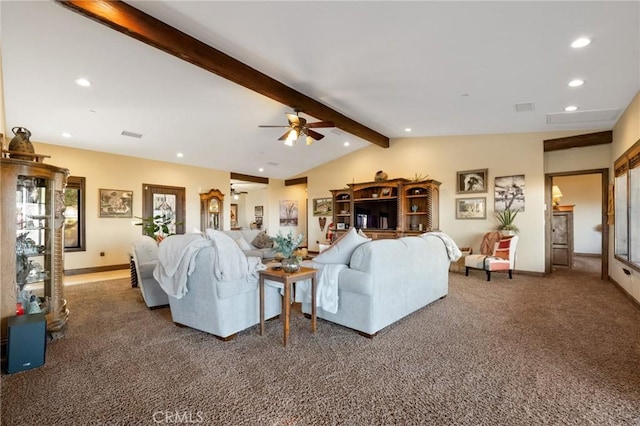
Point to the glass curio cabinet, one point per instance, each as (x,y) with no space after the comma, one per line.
(32,232)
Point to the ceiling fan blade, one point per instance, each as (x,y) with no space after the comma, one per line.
(265,125)
(320,124)
(284,137)
(317,136)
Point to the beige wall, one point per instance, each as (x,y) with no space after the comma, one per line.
(441,158)
(109,171)
(625,133)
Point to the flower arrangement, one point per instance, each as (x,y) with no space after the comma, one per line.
(286,245)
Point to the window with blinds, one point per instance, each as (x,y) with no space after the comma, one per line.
(627,206)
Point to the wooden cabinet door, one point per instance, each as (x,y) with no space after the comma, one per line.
(562,239)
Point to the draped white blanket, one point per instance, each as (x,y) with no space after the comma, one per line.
(176,261)
(230,263)
(326,286)
(453,251)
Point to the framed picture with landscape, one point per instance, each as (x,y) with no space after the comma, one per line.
(322,206)
(116,203)
(471,208)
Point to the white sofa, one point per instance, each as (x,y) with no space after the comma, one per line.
(216,306)
(387,280)
(144,252)
(248,235)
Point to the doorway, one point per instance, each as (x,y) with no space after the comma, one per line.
(588,252)
(166,200)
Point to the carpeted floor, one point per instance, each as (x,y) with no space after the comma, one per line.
(558,350)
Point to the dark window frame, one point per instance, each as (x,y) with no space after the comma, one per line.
(77,183)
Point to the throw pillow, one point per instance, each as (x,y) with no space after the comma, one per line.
(362,234)
(342,249)
(502,248)
(262,240)
(243,244)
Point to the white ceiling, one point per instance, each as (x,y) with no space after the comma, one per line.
(441,68)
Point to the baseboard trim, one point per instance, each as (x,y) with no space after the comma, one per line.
(625,292)
(95,269)
(587,254)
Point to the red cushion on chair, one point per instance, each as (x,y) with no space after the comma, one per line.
(502,248)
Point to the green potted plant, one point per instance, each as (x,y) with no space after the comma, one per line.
(505,221)
(155,226)
(286,245)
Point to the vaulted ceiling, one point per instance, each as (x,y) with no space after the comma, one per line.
(439,68)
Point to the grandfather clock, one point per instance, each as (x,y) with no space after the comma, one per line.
(211,210)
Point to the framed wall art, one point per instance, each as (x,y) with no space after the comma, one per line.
(471,208)
(322,206)
(509,193)
(116,203)
(472,181)
(288,213)
(258,211)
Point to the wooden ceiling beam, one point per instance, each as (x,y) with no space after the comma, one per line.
(147,29)
(578,141)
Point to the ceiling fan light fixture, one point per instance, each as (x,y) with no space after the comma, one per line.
(291,137)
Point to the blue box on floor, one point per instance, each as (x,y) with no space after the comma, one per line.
(26,342)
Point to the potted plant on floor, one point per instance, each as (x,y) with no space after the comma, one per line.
(505,221)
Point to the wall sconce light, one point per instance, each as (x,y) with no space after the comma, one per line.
(556,195)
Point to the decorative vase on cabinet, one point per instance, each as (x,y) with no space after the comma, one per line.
(32,239)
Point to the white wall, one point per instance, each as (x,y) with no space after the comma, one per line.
(626,132)
(585,193)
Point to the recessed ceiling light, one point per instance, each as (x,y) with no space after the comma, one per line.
(261,169)
(347,143)
(571,108)
(66,135)
(180,155)
(576,83)
(83,82)
(407,129)
(581,42)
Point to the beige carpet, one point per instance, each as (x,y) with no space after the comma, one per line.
(559,350)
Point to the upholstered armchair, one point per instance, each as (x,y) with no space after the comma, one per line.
(498,253)
(145,257)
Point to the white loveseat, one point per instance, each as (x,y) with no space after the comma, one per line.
(387,280)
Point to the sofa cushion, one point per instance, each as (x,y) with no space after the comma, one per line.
(262,240)
(341,250)
(243,244)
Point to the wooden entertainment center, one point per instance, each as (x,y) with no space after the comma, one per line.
(387,209)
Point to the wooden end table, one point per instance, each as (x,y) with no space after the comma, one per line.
(288,278)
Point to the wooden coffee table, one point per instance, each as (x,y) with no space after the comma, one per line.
(287,279)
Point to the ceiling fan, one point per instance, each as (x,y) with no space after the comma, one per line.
(236,194)
(299,126)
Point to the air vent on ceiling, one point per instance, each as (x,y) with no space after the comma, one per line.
(582,116)
(271,163)
(524,107)
(131,134)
